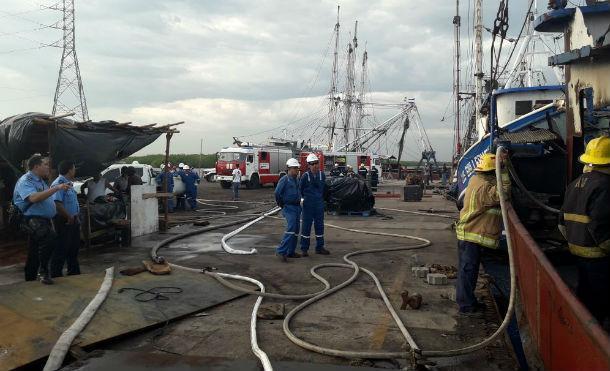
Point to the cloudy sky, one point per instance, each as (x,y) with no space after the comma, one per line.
(231,67)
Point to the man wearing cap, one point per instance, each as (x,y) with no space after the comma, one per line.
(585,222)
(35,199)
(479,226)
(190,180)
(362,171)
(288,197)
(312,187)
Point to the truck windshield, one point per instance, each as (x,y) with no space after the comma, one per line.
(231,156)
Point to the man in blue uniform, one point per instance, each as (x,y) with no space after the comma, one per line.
(170,186)
(35,200)
(288,197)
(67,223)
(312,187)
(191,180)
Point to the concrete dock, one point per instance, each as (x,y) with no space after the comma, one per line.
(354,318)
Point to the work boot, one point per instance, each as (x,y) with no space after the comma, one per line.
(323,251)
(475,313)
(282,258)
(304,254)
(46,279)
(294,255)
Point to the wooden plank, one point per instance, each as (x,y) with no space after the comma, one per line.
(32,316)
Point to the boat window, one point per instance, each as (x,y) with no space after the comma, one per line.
(543,102)
(522,107)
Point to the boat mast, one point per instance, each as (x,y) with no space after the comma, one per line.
(350,85)
(478,41)
(361,93)
(456,85)
(333,98)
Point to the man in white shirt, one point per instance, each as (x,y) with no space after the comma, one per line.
(236,183)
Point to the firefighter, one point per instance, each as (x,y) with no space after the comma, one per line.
(350,172)
(312,187)
(190,180)
(362,171)
(288,197)
(374,178)
(585,222)
(336,171)
(479,226)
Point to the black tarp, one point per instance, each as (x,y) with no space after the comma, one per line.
(348,194)
(92,146)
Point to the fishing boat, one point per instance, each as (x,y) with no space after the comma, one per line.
(555,329)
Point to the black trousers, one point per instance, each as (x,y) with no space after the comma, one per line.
(594,286)
(42,241)
(66,251)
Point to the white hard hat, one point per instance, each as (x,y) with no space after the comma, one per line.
(181,164)
(292,163)
(312,158)
(336,164)
(186,167)
(162,166)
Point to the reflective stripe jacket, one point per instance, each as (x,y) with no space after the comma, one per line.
(480,218)
(586,215)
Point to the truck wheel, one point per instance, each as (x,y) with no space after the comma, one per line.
(254,182)
(225,184)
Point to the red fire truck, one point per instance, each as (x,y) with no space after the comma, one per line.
(259,165)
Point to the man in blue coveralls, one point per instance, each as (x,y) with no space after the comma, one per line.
(191,180)
(170,186)
(312,186)
(67,223)
(35,200)
(288,197)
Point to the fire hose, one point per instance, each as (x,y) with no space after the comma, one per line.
(414,350)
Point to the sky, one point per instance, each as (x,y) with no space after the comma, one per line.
(234,68)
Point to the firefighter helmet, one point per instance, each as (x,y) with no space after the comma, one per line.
(597,152)
(292,163)
(312,158)
(486,163)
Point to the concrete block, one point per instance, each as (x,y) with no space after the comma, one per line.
(144,213)
(436,279)
(420,272)
(271,311)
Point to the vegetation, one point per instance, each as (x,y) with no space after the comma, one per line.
(196,161)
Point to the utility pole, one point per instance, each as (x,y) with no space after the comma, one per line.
(456,85)
(69,92)
(478,47)
(333,99)
(201,154)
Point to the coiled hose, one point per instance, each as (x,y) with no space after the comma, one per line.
(312,298)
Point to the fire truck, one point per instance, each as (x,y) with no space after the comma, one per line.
(259,165)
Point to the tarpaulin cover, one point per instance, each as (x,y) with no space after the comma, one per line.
(92,146)
(102,213)
(348,194)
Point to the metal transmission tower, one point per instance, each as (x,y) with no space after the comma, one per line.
(69,93)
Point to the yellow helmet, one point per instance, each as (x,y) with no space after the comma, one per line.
(486,163)
(597,152)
